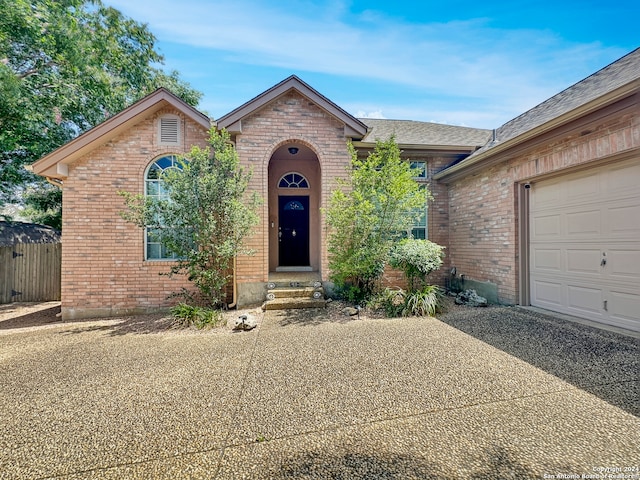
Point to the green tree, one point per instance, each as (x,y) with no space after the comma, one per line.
(65,66)
(205,216)
(376,206)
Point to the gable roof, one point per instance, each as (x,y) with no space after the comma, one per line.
(612,83)
(412,133)
(54,165)
(232,121)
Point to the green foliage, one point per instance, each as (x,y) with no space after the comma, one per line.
(376,206)
(66,66)
(44,205)
(188,315)
(425,302)
(205,216)
(396,302)
(390,300)
(417,259)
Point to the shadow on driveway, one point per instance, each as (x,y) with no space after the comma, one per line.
(393,466)
(603,363)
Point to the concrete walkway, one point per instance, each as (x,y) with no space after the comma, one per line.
(492,393)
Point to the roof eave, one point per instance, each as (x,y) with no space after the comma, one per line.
(463,168)
(428,147)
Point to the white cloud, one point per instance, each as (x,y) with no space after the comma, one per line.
(512,69)
(374,114)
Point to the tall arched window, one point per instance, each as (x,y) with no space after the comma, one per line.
(153,187)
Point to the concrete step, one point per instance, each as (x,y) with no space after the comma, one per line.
(292,292)
(293,303)
(278,284)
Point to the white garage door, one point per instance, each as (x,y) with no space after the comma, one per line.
(585,244)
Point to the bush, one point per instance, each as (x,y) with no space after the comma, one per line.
(367,214)
(417,259)
(200,317)
(395,302)
(424,303)
(391,301)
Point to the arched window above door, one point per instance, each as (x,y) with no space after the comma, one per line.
(293,180)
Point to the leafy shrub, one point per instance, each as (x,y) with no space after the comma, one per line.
(417,259)
(424,303)
(367,214)
(200,317)
(395,302)
(390,300)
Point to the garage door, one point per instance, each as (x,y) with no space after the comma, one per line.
(585,244)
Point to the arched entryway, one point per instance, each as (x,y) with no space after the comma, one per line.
(294,209)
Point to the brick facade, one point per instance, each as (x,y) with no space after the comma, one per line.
(291,118)
(103,266)
(475,213)
(483,214)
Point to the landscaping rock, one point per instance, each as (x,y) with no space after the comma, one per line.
(471,298)
(350,311)
(245,322)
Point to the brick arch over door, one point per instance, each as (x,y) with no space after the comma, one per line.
(289,157)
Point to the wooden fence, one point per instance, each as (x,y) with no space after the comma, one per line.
(30,272)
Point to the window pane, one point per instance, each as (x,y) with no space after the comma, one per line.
(420,169)
(153,251)
(154,172)
(152,187)
(419,233)
(164,162)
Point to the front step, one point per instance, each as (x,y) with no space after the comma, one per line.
(294,303)
(295,291)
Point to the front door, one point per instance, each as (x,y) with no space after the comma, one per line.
(293,231)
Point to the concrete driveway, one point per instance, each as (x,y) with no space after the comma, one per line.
(491,393)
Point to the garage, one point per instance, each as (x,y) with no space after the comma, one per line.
(584,244)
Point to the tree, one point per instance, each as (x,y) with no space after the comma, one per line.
(65,66)
(204,217)
(376,206)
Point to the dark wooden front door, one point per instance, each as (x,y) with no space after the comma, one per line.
(293,231)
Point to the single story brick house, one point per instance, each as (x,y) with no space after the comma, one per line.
(543,211)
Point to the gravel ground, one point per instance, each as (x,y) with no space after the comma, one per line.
(478,393)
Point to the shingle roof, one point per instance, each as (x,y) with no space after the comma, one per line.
(409,132)
(13,233)
(619,73)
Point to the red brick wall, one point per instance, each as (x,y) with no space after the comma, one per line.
(291,117)
(103,266)
(483,219)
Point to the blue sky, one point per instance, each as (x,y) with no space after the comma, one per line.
(470,63)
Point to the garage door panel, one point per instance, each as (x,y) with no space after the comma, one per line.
(623,264)
(624,220)
(623,179)
(548,293)
(583,261)
(584,222)
(546,226)
(584,244)
(623,307)
(546,196)
(549,260)
(583,188)
(583,299)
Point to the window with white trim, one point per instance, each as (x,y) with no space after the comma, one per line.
(154,188)
(420,228)
(293,180)
(169,130)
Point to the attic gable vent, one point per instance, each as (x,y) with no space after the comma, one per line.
(170,130)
